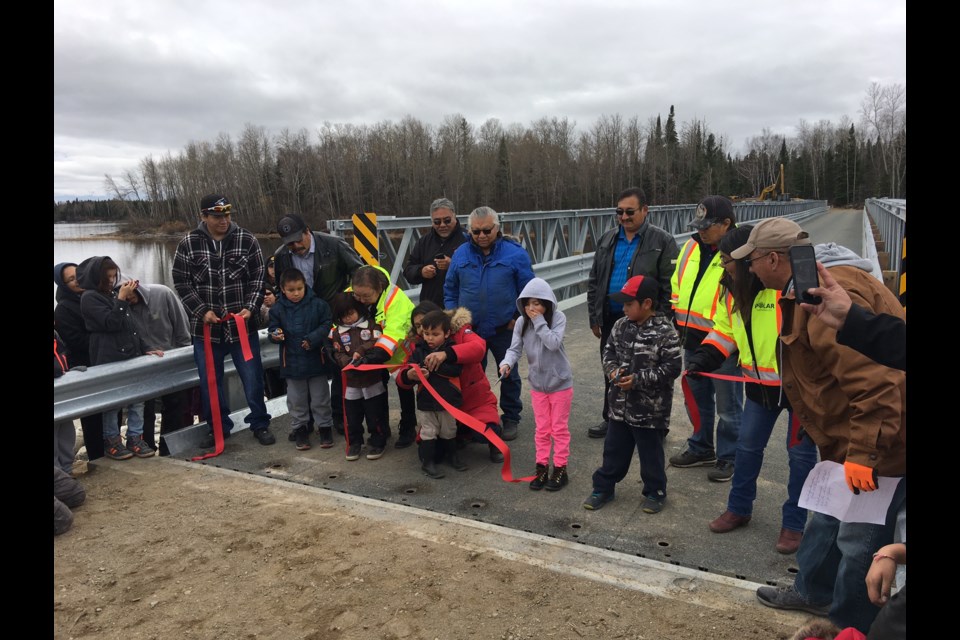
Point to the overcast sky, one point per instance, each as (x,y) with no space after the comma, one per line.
(138,78)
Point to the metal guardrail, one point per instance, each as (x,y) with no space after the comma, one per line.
(553,238)
(566,238)
(109,386)
(890,216)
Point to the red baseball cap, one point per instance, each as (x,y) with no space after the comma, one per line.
(637,288)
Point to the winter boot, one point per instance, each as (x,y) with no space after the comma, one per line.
(428,449)
(452,456)
(326,437)
(558,479)
(541,478)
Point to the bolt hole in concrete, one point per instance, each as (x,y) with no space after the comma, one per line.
(772,583)
(478,505)
(276,465)
(740,577)
(575,525)
(792,570)
(663,544)
(410,490)
(666,555)
(576,535)
(333,476)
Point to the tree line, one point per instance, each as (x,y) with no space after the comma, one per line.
(398,168)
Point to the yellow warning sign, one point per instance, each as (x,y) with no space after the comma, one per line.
(903,270)
(365,240)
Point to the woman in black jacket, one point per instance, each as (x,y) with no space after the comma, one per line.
(113,338)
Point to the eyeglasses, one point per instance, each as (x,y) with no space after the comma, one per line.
(726,261)
(749,261)
(485,232)
(626,212)
(218,209)
(439,221)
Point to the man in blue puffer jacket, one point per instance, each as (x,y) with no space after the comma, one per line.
(486,276)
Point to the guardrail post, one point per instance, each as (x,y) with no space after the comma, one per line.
(366,242)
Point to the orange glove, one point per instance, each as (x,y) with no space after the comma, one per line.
(859,477)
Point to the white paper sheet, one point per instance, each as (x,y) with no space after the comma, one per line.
(826,491)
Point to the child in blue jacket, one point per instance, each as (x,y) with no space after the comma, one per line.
(300,323)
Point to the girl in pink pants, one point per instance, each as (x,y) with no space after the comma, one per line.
(539,332)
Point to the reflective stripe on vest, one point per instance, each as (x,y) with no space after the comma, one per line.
(695,308)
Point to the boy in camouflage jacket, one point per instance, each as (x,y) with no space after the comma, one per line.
(641,359)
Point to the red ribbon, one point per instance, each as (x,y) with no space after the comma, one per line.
(794,431)
(459,415)
(214,396)
(693,412)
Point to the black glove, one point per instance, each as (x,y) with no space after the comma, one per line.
(374,356)
(694,369)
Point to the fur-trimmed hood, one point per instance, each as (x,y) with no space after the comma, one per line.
(459,318)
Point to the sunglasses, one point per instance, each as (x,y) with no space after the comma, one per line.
(626,212)
(218,210)
(485,232)
(439,221)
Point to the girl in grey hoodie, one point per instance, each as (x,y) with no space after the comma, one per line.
(539,332)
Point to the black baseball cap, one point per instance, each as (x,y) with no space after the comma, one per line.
(291,228)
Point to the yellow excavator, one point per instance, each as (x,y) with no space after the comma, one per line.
(772,192)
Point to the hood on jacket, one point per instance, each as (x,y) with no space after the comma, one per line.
(63,291)
(58,272)
(537,288)
(459,318)
(832,254)
(89,272)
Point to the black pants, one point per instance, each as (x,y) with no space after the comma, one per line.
(618,448)
(336,395)
(92,427)
(174,409)
(376,413)
(605,329)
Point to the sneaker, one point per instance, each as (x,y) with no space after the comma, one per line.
(264,436)
(721,472)
(302,439)
(139,447)
(114,448)
(597,500)
(653,504)
(509,430)
(789,598)
(375,453)
(690,459)
(353,452)
(558,479)
(326,437)
(599,431)
(540,479)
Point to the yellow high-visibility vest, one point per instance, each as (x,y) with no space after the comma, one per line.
(695,308)
(730,334)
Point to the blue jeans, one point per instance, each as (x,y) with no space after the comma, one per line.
(251,377)
(833,561)
(722,399)
(755,430)
(111,421)
(510,403)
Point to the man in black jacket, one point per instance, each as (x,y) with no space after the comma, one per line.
(635,247)
(327,263)
(430,257)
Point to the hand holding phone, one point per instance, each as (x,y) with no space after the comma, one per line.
(803,262)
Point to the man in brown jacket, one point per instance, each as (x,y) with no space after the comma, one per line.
(854,410)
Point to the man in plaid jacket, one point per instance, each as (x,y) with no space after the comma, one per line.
(219,272)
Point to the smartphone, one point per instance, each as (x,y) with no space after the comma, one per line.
(439,256)
(804,265)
